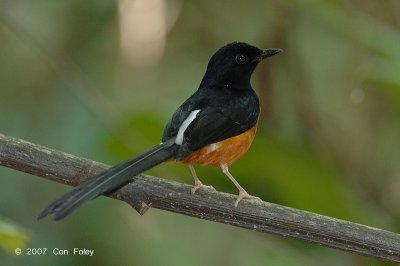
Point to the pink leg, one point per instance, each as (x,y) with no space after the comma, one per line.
(242,193)
(197,182)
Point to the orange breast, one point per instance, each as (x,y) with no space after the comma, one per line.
(223,152)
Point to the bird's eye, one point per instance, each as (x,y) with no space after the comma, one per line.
(241,59)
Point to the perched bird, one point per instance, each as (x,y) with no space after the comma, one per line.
(213,127)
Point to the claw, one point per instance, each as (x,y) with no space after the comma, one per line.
(244,195)
(197,182)
(198,185)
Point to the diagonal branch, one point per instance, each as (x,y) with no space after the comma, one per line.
(168,195)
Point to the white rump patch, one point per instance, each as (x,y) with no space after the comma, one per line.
(184,126)
(213,147)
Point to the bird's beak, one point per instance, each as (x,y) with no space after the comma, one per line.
(268,53)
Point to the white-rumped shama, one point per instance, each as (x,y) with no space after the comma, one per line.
(214,127)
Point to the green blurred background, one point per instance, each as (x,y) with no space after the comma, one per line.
(99,79)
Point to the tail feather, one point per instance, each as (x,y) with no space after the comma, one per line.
(109,180)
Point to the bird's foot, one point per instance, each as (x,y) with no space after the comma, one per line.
(244,195)
(198,184)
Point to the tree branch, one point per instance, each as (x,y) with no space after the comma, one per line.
(168,195)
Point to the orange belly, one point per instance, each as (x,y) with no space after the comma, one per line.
(223,152)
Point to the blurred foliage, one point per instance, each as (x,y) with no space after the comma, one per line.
(11,236)
(100,79)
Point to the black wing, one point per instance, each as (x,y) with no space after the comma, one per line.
(213,125)
(172,127)
(223,114)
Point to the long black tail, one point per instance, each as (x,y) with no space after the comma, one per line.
(109,180)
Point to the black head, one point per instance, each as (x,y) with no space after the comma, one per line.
(232,65)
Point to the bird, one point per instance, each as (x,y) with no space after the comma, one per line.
(214,127)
